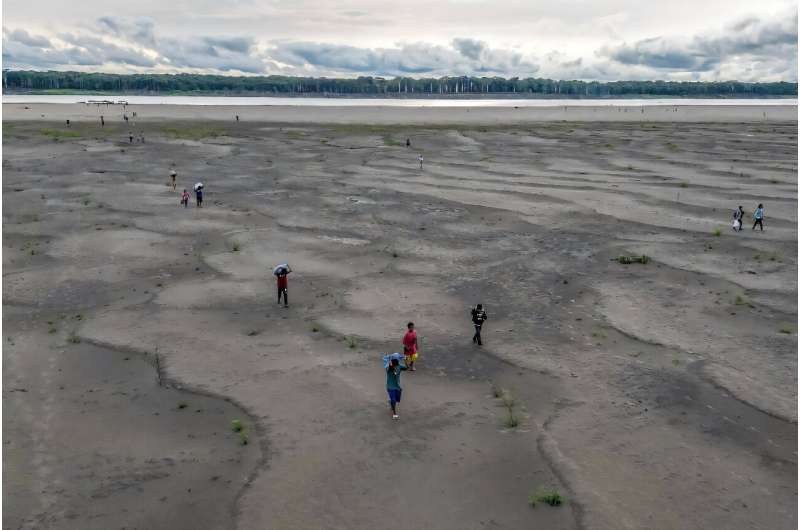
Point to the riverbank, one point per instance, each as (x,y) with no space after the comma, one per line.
(388,115)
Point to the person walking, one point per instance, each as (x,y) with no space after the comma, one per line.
(173,175)
(185,198)
(393,385)
(410,351)
(420,162)
(102,122)
(198,195)
(758,215)
(738,218)
(130,136)
(282,273)
(479,316)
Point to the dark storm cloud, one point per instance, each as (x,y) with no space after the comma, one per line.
(106,52)
(766,40)
(138,30)
(23,37)
(223,53)
(131,43)
(23,49)
(464,57)
(232,44)
(470,48)
(216,53)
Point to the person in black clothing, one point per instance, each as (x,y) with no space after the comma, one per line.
(479,316)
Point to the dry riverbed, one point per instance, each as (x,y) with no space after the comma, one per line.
(656,395)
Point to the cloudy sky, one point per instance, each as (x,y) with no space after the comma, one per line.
(562,39)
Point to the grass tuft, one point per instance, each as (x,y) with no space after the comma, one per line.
(193,133)
(57,134)
(512,420)
(183,404)
(627,260)
(716,232)
(73,338)
(314,327)
(236,247)
(553,498)
(236,426)
(787,330)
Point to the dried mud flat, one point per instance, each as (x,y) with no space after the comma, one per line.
(658,395)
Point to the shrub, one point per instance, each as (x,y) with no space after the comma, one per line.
(553,498)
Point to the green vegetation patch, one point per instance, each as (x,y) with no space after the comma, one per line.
(58,134)
(627,260)
(193,133)
(552,498)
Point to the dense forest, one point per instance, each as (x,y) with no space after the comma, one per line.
(465,86)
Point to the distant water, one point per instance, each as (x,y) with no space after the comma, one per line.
(381,102)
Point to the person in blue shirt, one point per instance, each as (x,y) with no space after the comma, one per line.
(758,215)
(393,385)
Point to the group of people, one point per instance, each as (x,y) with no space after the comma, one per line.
(738,218)
(411,355)
(409,341)
(198,190)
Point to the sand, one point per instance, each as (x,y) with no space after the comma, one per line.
(377,115)
(661,395)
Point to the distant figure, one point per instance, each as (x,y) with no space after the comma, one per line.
(420,161)
(237,117)
(185,198)
(173,175)
(410,347)
(282,274)
(479,316)
(102,122)
(408,142)
(125,117)
(198,195)
(130,136)
(393,385)
(142,137)
(758,215)
(738,218)
(67,123)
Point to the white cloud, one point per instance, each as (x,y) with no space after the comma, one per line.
(750,48)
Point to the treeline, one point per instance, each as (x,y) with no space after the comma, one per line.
(29,81)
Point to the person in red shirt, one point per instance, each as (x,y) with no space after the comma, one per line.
(283,284)
(410,347)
